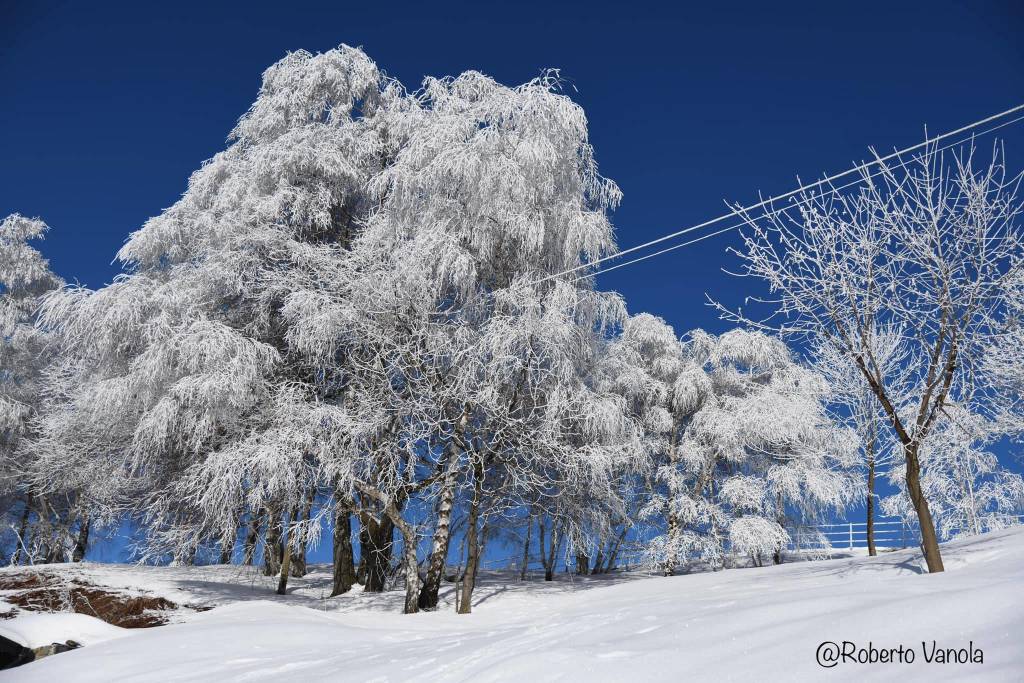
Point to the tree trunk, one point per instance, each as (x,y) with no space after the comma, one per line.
(272,550)
(552,552)
(282,582)
(598,559)
(929,541)
(542,548)
(526,549)
(969,478)
(674,527)
(412,575)
(442,530)
(252,538)
(375,546)
(227,548)
(440,543)
(23,530)
(613,556)
(869,451)
(672,557)
(781,521)
(472,541)
(871,505)
(344,571)
(392,514)
(82,543)
(299,551)
(582,564)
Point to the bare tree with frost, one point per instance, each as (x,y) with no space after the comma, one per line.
(925,248)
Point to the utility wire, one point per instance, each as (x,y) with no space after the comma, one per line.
(740,224)
(767,202)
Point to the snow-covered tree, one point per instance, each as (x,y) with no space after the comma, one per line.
(853,402)
(1004,361)
(968,490)
(764,449)
(344,303)
(923,248)
(647,367)
(471,374)
(189,393)
(26,356)
(740,439)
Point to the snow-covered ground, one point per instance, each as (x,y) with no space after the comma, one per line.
(739,624)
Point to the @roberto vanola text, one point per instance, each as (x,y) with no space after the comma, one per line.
(832,653)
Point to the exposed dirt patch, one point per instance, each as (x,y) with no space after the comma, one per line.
(40,592)
(127,611)
(13,582)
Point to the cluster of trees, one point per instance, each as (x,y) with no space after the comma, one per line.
(357,319)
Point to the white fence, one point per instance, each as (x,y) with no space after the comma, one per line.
(889,532)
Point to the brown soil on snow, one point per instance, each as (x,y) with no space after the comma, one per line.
(40,592)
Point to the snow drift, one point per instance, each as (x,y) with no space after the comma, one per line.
(730,625)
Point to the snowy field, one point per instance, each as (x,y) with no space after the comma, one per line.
(738,624)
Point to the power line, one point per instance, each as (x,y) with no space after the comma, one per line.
(740,224)
(771,200)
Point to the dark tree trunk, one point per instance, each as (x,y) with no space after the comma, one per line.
(299,547)
(227,548)
(781,520)
(582,564)
(82,542)
(472,540)
(871,506)
(252,537)
(870,452)
(598,560)
(929,541)
(673,527)
(542,547)
(375,546)
(272,549)
(282,582)
(344,570)
(549,554)
(526,549)
(929,407)
(613,556)
(23,529)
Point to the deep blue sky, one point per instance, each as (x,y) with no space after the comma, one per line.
(105,110)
